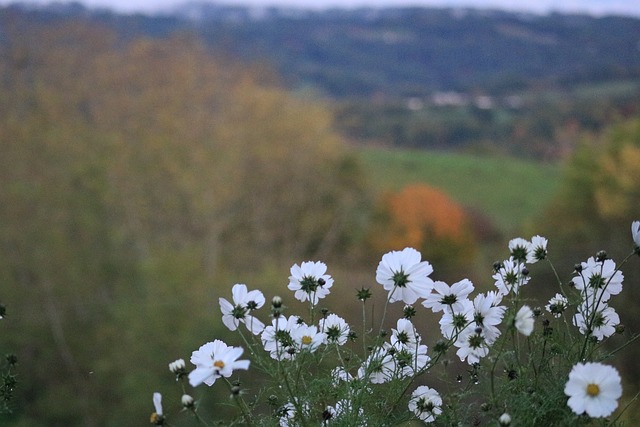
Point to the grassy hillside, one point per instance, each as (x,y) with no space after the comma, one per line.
(508,191)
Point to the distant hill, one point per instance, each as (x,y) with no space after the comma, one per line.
(462,80)
(397,52)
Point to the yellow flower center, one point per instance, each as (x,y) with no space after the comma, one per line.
(306,340)
(218,364)
(593,390)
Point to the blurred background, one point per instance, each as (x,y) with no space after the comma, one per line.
(150,159)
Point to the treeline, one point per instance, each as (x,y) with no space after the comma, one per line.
(545,125)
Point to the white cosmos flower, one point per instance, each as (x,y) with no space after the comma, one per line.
(472,344)
(335,328)
(635,232)
(287,414)
(410,360)
(487,314)
(604,321)
(310,281)
(445,296)
(593,388)
(307,337)
(379,367)
(404,275)
(453,322)
(214,360)
(524,320)
(244,302)
(599,277)
(557,305)
(510,276)
(344,408)
(277,338)
(519,249)
(537,249)
(157,403)
(340,374)
(405,334)
(425,403)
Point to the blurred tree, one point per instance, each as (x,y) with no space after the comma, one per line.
(133,176)
(425,218)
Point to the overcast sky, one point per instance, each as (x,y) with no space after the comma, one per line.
(596,7)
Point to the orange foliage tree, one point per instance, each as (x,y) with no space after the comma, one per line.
(427,219)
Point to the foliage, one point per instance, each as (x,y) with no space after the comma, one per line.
(425,218)
(127,166)
(524,366)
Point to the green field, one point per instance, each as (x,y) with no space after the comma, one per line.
(508,191)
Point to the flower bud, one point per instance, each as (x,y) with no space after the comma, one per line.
(505,420)
(364,294)
(187,401)
(276,302)
(177,367)
(601,256)
(408,312)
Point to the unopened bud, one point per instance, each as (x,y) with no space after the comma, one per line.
(276,302)
(620,328)
(187,401)
(505,420)
(601,256)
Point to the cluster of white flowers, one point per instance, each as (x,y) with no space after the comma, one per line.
(471,325)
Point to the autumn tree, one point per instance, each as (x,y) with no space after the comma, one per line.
(425,218)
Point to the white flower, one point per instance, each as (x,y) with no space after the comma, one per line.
(157,403)
(519,249)
(307,337)
(335,328)
(309,281)
(379,367)
(537,249)
(603,322)
(287,413)
(445,296)
(593,388)
(487,314)
(405,334)
(524,320)
(472,344)
(510,276)
(557,305)
(214,360)
(599,279)
(344,408)
(452,322)
(409,360)
(425,403)
(404,275)
(277,338)
(244,302)
(635,232)
(340,374)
